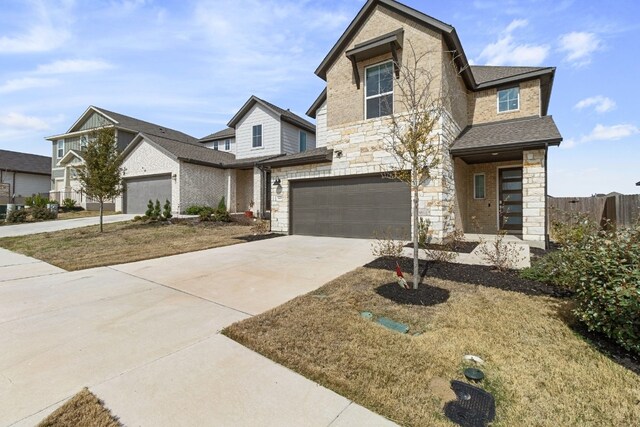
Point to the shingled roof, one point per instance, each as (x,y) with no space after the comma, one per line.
(23,162)
(222,134)
(146,127)
(285,115)
(517,133)
(486,73)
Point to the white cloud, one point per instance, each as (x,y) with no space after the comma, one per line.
(16,85)
(73,66)
(22,122)
(601,104)
(578,47)
(604,133)
(506,51)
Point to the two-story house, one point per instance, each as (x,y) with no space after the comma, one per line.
(494,136)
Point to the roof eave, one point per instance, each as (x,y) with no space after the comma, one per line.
(517,78)
(506,147)
(284,162)
(311,112)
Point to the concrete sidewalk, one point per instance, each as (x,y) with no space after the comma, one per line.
(63,224)
(144,337)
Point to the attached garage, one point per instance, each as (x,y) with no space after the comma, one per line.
(363,206)
(140,190)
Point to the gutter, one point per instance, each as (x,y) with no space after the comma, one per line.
(318,158)
(504,147)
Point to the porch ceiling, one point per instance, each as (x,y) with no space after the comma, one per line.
(498,156)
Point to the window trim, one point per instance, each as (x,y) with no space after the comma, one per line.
(59,148)
(484,186)
(300,134)
(227,144)
(498,100)
(366,98)
(253,137)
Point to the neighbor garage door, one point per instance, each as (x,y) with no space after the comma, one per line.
(352,206)
(140,190)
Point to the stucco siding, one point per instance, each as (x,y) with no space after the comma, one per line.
(258,115)
(321,125)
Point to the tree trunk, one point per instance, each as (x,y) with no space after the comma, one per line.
(416,232)
(101,211)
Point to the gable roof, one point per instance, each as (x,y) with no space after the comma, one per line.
(508,134)
(484,74)
(222,134)
(311,112)
(24,162)
(68,157)
(284,115)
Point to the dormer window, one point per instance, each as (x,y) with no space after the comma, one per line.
(509,100)
(257,136)
(379,90)
(303,141)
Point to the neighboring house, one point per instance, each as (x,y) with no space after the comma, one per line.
(23,175)
(224,140)
(495,134)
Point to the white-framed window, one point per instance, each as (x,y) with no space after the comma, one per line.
(257,136)
(215,145)
(227,144)
(479,186)
(509,99)
(60,148)
(378,90)
(84,141)
(303,141)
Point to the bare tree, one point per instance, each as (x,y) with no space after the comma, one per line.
(413,138)
(101,173)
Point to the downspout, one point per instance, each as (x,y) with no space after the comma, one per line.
(546,212)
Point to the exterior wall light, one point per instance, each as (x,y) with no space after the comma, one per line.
(277,182)
(338,153)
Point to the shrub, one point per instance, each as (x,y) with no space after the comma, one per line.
(166,212)
(222,216)
(42,213)
(196,209)
(38,200)
(222,206)
(260,227)
(551,269)
(17,216)
(157,211)
(137,218)
(205,214)
(606,266)
(500,254)
(68,204)
(149,212)
(386,246)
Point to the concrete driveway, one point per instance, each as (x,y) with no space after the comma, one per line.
(145,338)
(63,224)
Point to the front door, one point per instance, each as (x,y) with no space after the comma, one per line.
(510,199)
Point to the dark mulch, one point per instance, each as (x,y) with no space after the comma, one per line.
(425,295)
(509,280)
(608,347)
(537,252)
(460,247)
(256,237)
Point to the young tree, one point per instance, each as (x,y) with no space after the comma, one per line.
(413,138)
(101,174)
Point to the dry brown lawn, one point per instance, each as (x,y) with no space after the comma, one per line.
(123,242)
(540,372)
(82,410)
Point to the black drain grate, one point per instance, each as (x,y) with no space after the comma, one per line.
(474,407)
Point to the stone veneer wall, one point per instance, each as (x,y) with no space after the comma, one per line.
(533,195)
(483,105)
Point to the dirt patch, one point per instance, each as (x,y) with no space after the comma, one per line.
(257,237)
(509,280)
(425,295)
(83,409)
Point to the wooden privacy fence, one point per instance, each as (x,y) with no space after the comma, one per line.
(621,210)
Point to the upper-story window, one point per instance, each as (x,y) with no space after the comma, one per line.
(379,90)
(303,141)
(257,136)
(84,141)
(227,144)
(60,148)
(509,99)
(215,145)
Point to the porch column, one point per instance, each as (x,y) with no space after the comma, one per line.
(257,191)
(534,171)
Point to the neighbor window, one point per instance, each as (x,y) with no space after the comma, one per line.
(215,145)
(478,186)
(60,148)
(257,136)
(303,141)
(227,145)
(83,142)
(379,90)
(508,99)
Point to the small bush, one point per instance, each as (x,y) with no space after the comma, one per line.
(37,200)
(550,269)
(500,254)
(221,216)
(386,246)
(17,216)
(206,214)
(149,212)
(40,213)
(260,227)
(157,210)
(222,206)
(137,218)
(166,211)
(196,209)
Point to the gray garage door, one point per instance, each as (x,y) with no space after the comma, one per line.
(140,190)
(353,206)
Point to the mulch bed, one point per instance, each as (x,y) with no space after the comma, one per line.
(509,280)
(608,347)
(537,252)
(256,237)
(459,247)
(425,295)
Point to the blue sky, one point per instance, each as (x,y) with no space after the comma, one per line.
(190,65)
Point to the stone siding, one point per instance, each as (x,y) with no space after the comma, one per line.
(483,105)
(534,195)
